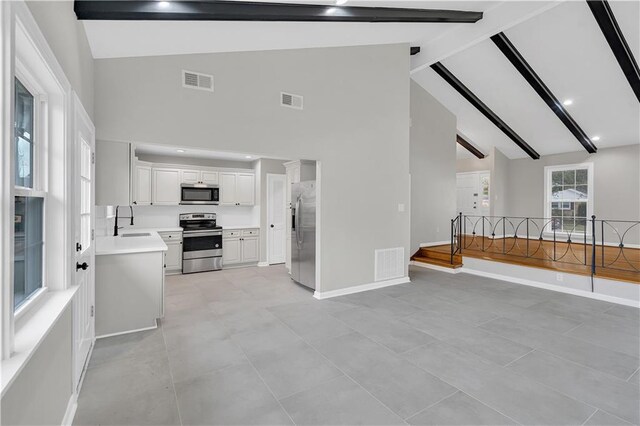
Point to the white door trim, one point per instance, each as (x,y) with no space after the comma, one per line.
(270,178)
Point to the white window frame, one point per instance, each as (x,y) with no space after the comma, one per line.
(26,55)
(548,198)
(39,172)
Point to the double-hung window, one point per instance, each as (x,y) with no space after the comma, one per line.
(29,198)
(569,197)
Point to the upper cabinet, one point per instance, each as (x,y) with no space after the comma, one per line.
(113,173)
(199,176)
(166,186)
(142,184)
(237,189)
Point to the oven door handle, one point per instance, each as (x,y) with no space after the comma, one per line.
(192,234)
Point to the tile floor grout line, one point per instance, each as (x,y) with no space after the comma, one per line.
(433,405)
(173,383)
(519,358)
(488,406)
(589,418)
(632,374)
(566,333)
(265,383)
(342,371)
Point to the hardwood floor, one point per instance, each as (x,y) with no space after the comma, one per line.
(611,262)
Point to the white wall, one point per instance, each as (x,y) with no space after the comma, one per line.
(40,394)
(616,182)
(355,121)
(433,169)
(68,40)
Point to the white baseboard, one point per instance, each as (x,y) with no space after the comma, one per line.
(435,243)
(568,290)
(360,288)
(70,413)
(128,332)
(263,264)
(435,267)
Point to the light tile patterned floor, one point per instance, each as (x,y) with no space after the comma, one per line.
(249,346)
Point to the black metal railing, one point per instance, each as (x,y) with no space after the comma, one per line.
(606,244)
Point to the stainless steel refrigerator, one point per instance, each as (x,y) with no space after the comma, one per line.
(303,233)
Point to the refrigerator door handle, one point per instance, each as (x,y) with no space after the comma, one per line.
(298,211)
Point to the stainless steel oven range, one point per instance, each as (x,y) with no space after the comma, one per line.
(202,243)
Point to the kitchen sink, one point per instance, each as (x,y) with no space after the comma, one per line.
(139,234)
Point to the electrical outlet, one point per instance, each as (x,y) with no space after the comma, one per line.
(559,277)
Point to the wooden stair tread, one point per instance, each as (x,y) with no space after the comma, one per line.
(438,262)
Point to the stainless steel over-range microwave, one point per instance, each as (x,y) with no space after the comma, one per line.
(199,193)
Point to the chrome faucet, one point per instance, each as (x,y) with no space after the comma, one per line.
(115,225)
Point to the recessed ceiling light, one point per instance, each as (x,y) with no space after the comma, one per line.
(248,156)
(595,138)
(341,2)
(164,4)
(567,102)
(331,10)
(179,150)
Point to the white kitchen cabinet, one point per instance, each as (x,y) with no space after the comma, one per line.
(173,255)
(142,184)
(228,189)
(209,178)
(240,246)
(189,176)
(166,186)
(199,176)
(246,189)
(113,173)
(231,251)
(237,189)
(250,249)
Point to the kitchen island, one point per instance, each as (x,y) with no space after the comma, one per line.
(129,282)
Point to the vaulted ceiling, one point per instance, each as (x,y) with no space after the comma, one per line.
(567,49)
(561,41)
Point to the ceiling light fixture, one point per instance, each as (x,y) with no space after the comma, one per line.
(248,156)
(164,4)
(179,150)
(341,2)
(595,138)
(567,102)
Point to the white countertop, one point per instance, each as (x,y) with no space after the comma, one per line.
(166,229)
(120,245)
(224,227)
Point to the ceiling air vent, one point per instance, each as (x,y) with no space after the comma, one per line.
(291,101)
(195,80)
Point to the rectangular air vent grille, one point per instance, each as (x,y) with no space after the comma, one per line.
(196,80)
(291,101)
(389,264)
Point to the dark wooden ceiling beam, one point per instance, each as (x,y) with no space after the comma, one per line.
(483,108)
(523,67)
(467,145)
(415,50)
(224,10)
(618,44)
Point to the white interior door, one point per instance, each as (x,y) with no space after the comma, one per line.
(276,218)
(467,190)
(84,276)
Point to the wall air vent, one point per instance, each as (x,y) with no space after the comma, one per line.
(195,80)
(291,101)
(389,264)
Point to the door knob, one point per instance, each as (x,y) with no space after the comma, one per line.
(82,266)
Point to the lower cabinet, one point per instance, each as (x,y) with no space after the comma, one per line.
(173,255)
(240,246)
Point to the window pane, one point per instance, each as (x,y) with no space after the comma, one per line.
(581,224)
(28,245)
(581,209)
(24,112)
(556,223)
(567,224)
(582,192)
(581,176)
(556,178)
(569,177)
(556,192)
